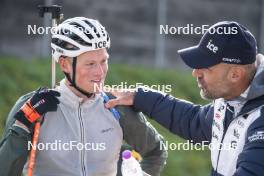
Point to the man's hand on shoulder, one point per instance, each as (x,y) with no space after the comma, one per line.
(123,97)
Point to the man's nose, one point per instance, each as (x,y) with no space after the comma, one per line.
(196,73)
(99,70)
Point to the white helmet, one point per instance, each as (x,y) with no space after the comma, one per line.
(78,35)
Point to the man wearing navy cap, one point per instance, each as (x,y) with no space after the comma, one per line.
(229,72)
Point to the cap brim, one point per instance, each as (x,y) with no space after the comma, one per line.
(197,59)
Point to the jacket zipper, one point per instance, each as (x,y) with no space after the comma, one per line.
(82,139)
(221,146)
(218,157)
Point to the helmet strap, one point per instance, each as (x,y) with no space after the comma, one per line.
(73,82)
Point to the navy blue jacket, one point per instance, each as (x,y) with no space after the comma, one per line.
(194,122)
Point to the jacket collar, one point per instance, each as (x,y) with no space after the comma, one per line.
(68,97)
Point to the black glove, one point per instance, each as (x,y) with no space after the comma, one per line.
(44,100)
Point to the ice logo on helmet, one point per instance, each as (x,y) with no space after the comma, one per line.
(101,44)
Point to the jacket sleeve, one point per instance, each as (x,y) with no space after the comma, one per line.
(189,121)
(251,161)
(14,144)
(143,138)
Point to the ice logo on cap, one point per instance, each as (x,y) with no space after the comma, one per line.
(212,47)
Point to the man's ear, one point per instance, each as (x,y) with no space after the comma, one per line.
(65,64)
(236,74)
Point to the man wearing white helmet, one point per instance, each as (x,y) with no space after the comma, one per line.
(78,135)
(75,37)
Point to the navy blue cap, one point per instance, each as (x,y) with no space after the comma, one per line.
(224,42)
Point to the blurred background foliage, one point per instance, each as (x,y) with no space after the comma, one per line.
(18,76)
(139,52)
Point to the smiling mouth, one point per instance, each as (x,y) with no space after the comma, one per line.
(97,81)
